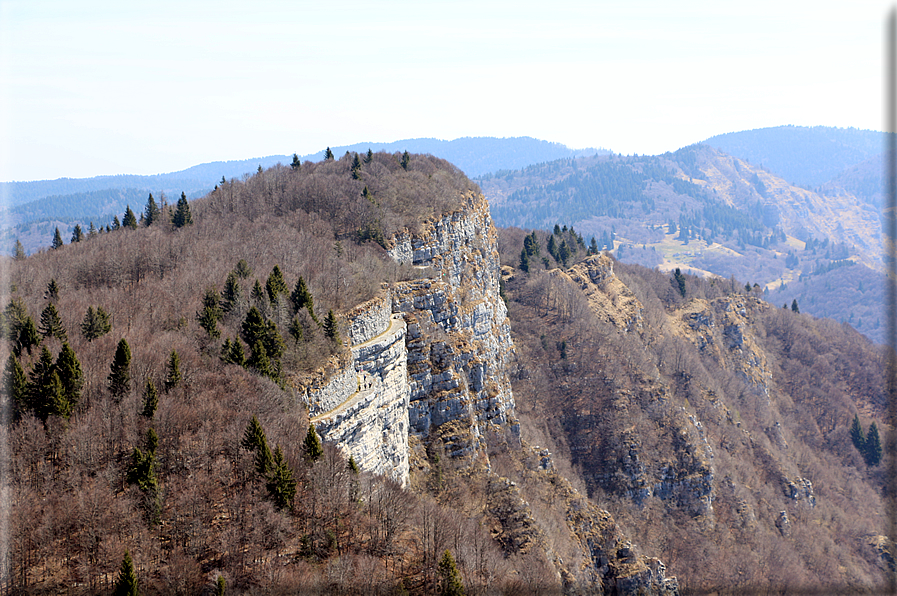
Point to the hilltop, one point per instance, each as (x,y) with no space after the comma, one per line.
(707,212)
(35,208)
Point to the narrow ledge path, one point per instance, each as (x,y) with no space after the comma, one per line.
(395,321)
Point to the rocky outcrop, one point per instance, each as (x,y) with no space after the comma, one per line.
(608,297)
(364,407)
(426,352)
(459,336)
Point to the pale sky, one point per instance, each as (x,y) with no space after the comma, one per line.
(100,87)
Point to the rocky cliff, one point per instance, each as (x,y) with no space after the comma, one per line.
(426,352)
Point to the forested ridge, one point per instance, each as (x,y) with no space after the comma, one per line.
(154,431)
(726,434)
(713,214)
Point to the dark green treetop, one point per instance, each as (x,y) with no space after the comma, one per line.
(276,285)
(150,399)
(172,371)
(51,323)
(152,213)
(182,215)
(120,370)
(77,234)
(95,324)
(126,582)
(57,240)
(312,444)
(129,220)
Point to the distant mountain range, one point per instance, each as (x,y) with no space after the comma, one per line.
(708,212)
(804,156)
(35,209)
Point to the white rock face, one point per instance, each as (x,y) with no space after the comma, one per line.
(371,423)
(442,357)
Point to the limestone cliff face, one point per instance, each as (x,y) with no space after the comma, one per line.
(424,353)
(459,336)
(363,406)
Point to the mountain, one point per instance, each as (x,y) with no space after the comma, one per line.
(340,378)
(703,211)
(804,156)
(68,201)
(713,425)
(171,402)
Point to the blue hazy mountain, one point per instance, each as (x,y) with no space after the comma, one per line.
(804,156)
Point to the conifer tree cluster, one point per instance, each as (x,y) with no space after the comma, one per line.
(272,468)
(53,388)
(95,324)
(869,444)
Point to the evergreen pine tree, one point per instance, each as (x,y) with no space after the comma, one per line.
(280,482)
(368,156)
(116,225)
(51,323)
(92,231)
(52,292)
(77,234)
(221,584)
(296,163)
(120,370)
(276,285)
(328,154)
(680,281)
(151,214)
(142,470)
(353,467)
(57,240)
(331,328)
(857,436)
(873,449)
(182,215)
(259,296)
(126,582)
(16,384)
(129,220)
(258,359)
(253,328)
(232,294)
(172,371)
(254,441)
(18,252)
(71,375)
(237,354)
(524,261)
(449,578)
(312,444)
(356,168)
(208,321)
(46,395)
(295,330)
(242,269)
(794,307)
(150,399)
(95,324)
(27,336)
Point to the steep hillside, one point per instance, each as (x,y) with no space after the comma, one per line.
(714,426)
(700,210)
(163,386)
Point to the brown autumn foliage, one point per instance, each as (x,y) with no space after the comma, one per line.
(657,428)
(72,511)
